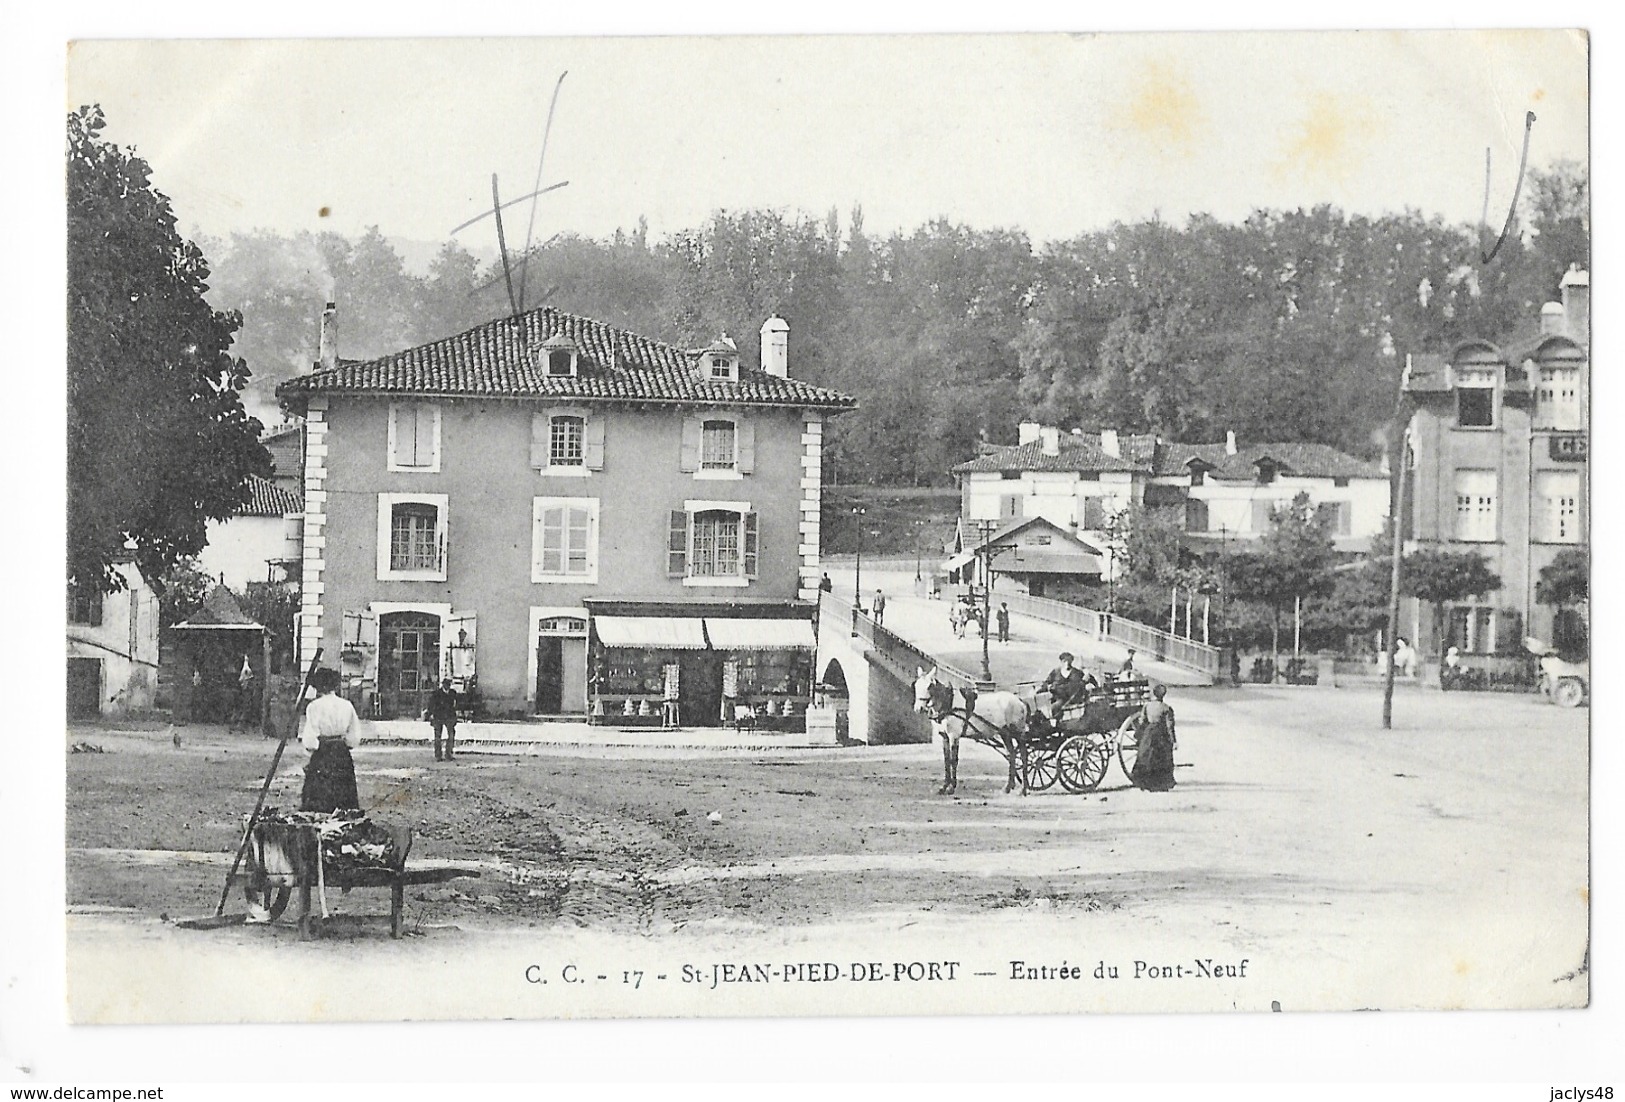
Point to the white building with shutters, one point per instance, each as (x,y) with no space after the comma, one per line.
(1221,491)
(552,512)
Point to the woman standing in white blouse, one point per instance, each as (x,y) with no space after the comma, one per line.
(331,731)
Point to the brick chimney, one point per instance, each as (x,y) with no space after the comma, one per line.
(1230,442)
(327,340)
(1028,432)
(776,347)
(1577,303)
(1110,444)
(1051,436)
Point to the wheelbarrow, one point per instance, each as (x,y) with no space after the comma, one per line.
(284,859)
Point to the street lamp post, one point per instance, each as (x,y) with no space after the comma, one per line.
(857,584)
(985,529)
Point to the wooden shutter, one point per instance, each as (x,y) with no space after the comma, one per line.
(745,445)
(541,438)
(677,545)
(750,543)
(423,454)
(1261,515)
(689,460)
(592,443)
(1195,515)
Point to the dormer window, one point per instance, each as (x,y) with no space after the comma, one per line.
(719,363)
(559,357)
(1266,471)
(1475,398)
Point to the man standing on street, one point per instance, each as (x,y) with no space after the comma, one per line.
(1003,619)
(442,715)
(880,608)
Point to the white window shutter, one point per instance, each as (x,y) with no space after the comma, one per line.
(751,545)
(540,440)
(689,460)
(592,444)
(745,445)
(427,418)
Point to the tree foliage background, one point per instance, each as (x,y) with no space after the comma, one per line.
(1291,325)
(158,440)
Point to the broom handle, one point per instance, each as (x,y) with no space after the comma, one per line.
(276,760)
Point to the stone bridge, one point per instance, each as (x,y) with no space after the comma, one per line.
(870,672)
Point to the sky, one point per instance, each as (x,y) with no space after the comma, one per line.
(1052,134)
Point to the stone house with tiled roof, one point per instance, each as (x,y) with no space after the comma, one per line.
(1080,480)
(260,542)
(570,518)
(1498,464)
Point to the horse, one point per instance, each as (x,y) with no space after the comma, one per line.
(1001,712)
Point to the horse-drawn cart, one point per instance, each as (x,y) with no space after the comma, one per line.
(308,853)
(1077,747)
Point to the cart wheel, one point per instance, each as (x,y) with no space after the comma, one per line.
(1081,762)
(1041,769)
(1128,746)
(1569,693)
(273,899)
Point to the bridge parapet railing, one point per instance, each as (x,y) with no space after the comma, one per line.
(1149,641)
(900,656)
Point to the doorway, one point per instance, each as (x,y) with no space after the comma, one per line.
(561,666)
(701,688)
(84,688)
(408,662)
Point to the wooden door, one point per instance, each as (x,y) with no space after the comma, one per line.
(549,675)
(408,662)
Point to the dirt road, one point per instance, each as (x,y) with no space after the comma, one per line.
(1443,863)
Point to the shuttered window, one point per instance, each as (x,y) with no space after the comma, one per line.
(565,545)
(1557,506)
(1475,505)
(566,442)
(414,437)
(713,543)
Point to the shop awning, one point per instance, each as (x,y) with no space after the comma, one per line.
(760,634)
(650,632)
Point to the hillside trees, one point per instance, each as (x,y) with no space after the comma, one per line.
(158,441)
(1289,325)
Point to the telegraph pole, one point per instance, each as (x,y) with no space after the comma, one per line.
(1397,520)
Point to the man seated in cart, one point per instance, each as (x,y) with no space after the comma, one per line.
(1067,686)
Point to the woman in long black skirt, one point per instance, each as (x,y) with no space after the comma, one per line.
(332,730)
(1154,757)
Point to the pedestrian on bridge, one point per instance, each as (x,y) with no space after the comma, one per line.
(880,609)
(1003,619)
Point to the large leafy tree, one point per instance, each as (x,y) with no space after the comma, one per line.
(158,440)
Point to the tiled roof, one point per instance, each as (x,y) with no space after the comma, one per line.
(1303,460)
(267,499)
(1142,453)
(1077,452)
(284,444)
(613,365)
